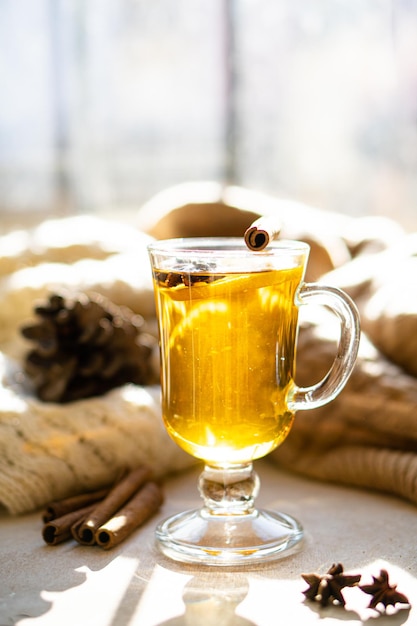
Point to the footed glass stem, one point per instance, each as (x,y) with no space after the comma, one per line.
(228,530)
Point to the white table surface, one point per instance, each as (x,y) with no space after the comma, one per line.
(135,585)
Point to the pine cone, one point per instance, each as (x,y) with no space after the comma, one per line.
(85,346)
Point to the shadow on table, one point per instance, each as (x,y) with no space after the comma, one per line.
(394,618)
(191,596)
(207,605)
(180,594)
(42,570)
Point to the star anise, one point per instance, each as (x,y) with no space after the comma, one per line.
(188,275)
(328,587)
(383,592)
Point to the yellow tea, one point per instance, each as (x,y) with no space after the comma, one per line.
(227,348)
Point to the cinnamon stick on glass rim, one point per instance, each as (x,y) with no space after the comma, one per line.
(137,511)
(261,232)
(85,530)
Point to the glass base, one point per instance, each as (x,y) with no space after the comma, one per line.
(198,536)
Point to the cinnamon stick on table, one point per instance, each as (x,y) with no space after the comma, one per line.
(58,530)
(59,508)
(139,509)
(84,531)
(261,232)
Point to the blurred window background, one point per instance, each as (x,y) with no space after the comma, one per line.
(104,103)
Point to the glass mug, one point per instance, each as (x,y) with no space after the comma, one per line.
(228,324)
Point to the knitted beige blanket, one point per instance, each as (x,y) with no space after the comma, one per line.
(49,451)
(366,437)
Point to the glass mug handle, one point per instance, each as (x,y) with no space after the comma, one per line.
(333,382)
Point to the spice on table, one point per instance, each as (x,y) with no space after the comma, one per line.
(328,587)
(140,508)
(58,530)
(106,521)
(382,592)
(73,503)
(84,532)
